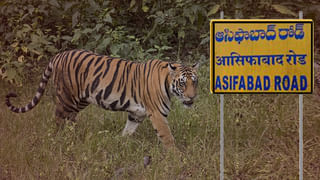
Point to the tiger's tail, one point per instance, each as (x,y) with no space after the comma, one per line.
(45,77)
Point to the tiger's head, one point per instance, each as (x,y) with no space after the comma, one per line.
(184,82)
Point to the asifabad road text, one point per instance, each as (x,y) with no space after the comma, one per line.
(262,83)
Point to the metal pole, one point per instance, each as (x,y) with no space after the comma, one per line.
(300,126)
(300,137)
(221,137)
(221,127)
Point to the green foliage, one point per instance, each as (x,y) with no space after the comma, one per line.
(29,34)
(32,31)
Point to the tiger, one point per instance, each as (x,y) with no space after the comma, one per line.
(142,89)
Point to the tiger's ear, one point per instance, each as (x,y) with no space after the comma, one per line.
(196,66)
(171,67)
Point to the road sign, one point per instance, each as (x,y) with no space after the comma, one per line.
(261,56)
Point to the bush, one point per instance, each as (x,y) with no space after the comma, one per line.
(32,31)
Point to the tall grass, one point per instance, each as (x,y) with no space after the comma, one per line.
(261,140)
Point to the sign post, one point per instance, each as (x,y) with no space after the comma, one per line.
(270,56)
(221,127)
(301,126)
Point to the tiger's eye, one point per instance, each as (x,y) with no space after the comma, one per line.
(182,83)
(195,82)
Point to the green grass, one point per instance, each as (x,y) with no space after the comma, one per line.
(261,140)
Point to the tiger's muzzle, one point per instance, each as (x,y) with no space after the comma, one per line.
(188,103)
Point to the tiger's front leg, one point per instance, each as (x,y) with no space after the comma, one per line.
(160,124)
(132,124)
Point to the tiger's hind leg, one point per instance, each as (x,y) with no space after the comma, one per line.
(62,114)
(132,124)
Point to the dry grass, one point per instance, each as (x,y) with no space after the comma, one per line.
(261,140)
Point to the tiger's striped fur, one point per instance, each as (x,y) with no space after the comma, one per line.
(141,89)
